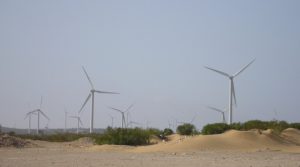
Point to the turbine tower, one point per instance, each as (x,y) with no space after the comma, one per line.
(92,94)
(78,122)
(231,86)
(124,124)
(220,111)
(66,119)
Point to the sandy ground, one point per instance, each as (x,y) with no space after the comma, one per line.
(233,148)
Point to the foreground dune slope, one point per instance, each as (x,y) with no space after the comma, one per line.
(231,140)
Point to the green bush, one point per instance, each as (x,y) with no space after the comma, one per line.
(255,124)
(167,132)
(295,125)
(277,126)
(216,128)
(186,129)
(154,131)
(59,137)
(237,126)
(121,136)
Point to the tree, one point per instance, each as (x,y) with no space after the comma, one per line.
(186,129)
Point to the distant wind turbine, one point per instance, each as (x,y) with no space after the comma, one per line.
(92,94)
(28,115)
(231,90)
(66,119)
(78,122)
(38,112)
(124,124)
(220,111)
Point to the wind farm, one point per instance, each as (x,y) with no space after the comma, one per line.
(149,83)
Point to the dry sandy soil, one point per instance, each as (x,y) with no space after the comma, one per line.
(233,148)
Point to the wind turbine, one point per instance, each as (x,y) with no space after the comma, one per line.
(123,114)
(29,114)
(38,112)
(220,111)
(231,89)
(78,122)
(92,94)
(66,118)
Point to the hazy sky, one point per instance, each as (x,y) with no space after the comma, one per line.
(153,53)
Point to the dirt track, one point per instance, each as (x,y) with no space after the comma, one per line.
(45,157)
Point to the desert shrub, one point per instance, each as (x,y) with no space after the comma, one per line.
(295,125)
(236,126)
(186,129)
(59,137)
(167,132)
(11,133)
(278,126)
(154,131)
(255,124)
(121,136)
(216,128)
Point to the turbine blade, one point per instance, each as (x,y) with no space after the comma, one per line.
(216,109)
(217,71)
(80,121)
(116,109)
(31,112)
(193,119)
(233,93)
(98,91)
(44,115)
(129,107)
(26,115)
(41,102)
(236,74)
(90,81)
(87,99)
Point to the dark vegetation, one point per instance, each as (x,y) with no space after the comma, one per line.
(138,136)
(118,136)
(186,129)
(277,126)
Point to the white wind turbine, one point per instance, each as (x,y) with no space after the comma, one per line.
(66,119)
(28,115)
(231,83)
(78,122)
(38,112)
(220,111)
(92,94)
(124,124)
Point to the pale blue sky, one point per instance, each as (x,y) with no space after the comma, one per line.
(153,53)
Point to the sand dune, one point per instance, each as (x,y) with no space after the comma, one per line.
(231,140)
(233,148)
(291,135)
